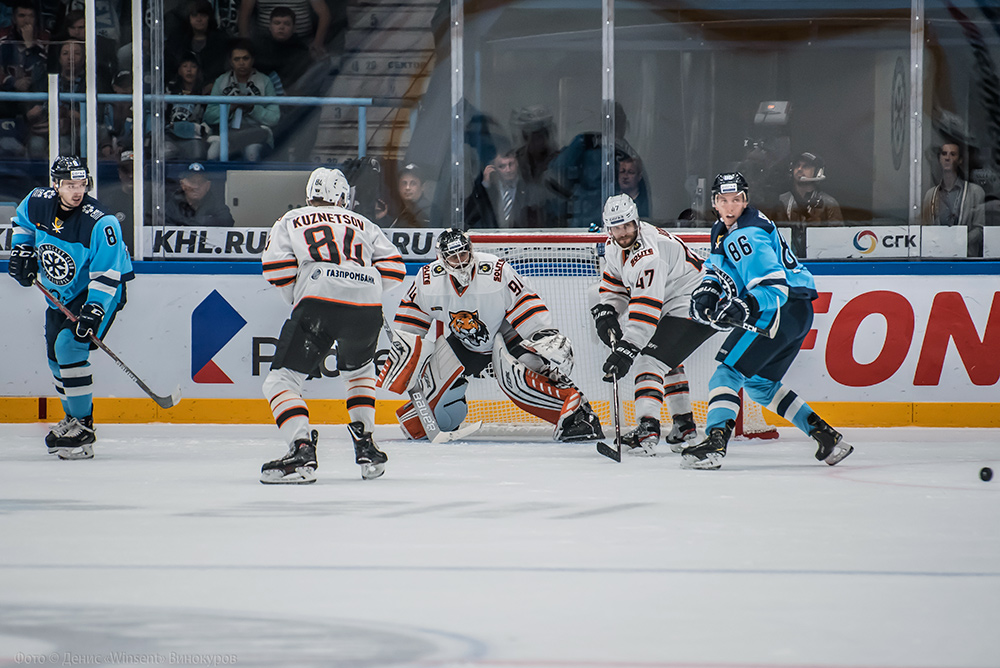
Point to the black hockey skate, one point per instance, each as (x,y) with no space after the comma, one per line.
(77,441)
(370,458)
(580,425)
(297,467)
(57,430)
(708,454)
(831,448)
(683,431)
(643,439)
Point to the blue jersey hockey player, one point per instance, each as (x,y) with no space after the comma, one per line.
(65,240)
(753,281)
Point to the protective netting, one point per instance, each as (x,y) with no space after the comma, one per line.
(565,270)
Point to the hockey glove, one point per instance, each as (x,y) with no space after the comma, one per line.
(555,348)
(23,264)
(606,321)
(735,312)
(704,301)
(89,321)
(620,360)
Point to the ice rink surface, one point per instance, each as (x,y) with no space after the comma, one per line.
(166,550)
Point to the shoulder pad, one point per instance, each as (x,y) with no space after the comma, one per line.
(754,218)
(43,193)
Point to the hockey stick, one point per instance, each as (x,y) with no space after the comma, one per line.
(162,402)
(729,285)
(603,448)
(424,412)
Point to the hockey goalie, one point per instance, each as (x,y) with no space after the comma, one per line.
(491,316)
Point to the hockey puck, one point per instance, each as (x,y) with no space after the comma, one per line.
(986,474)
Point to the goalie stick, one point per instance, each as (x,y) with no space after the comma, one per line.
(424,412)
(162,402)
(729,285)
(602,447)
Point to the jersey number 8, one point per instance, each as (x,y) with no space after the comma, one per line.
(321,236)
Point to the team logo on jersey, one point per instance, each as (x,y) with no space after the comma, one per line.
(58,265)
(468,327)
(57,226)
(214,323)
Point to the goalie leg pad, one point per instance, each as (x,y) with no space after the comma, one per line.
(530,390)
(406,355)
(442,372)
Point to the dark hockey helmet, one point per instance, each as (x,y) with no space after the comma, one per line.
(454,249)
(728,183)
(70,167)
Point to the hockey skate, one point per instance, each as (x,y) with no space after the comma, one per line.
(708,454)
(370,458)
(643,439)
(682,432)
(297,467)
(580,425)
(57,430)
(831,448)
(77,441)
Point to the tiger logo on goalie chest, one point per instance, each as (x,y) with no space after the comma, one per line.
(467,326)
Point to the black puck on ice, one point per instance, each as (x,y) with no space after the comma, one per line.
(986,474)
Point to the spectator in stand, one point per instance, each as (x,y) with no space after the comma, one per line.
(805,205)
(283,52)
(201,36)
(117,197)
(955,201)
(195,203)
(114,132)
(316,35)
(22,69)
(498,197)
(71,80)
(632,182)
(75,29)
(415,206)
(250,124)
(186,134)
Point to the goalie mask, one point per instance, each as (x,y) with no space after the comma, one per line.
(331,186)
(454,250)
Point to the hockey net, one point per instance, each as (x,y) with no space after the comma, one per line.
(565,270)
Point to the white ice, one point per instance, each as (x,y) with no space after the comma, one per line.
(166,550)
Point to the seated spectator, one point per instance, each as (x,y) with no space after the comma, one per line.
(250,124)
(632,182)
(114,132)
(498,196)
(955,201)
(117,197)
(303,20)
(805,204)
(186,133)
(75,29)
(282,52)
(415,206)
(195,203)
(71,80)
(201,36)
(22,69)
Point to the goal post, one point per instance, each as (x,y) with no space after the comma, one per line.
(565,269)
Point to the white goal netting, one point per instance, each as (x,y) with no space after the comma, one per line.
(565,269)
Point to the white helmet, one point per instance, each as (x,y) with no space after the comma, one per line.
(329,185)
(618,210)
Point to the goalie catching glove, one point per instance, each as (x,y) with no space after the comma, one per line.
(620,360)
(606,322)
(89,321)
(554,348)
(23,266)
